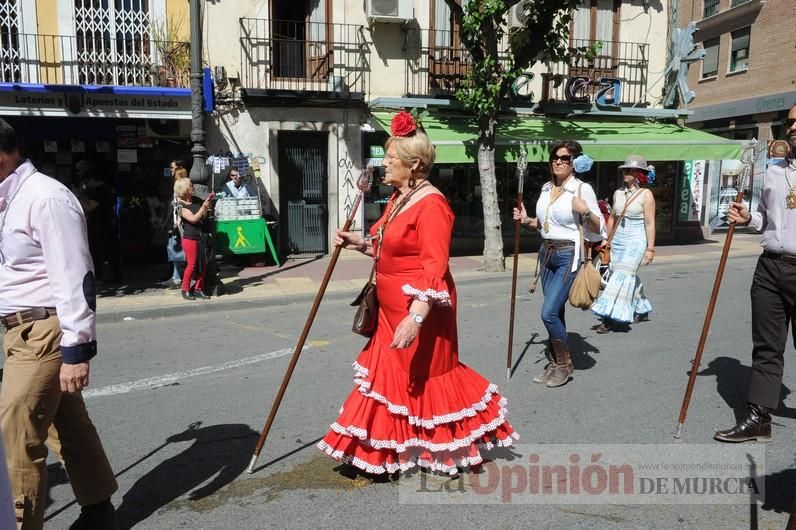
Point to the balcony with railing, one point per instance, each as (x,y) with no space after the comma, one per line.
(626,61)
(438,64)
(98,58)
(304,58)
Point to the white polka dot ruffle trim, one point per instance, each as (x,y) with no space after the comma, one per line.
(438,297)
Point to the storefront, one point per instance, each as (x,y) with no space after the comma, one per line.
(608,142)
(759,117)
(127,135)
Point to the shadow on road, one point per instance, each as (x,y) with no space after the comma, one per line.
(732,382)
(220,452)
(579,348)
(781,491)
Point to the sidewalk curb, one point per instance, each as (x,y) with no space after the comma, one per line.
(187,309)
(221,304)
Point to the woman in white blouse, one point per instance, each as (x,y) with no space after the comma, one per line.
(564,204)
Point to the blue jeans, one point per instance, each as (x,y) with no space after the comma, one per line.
(557,277)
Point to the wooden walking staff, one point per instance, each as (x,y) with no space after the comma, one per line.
(522,164)
(748,161)
(363,184)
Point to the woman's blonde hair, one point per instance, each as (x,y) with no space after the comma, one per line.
(181,185)
(414,147)
(180,173)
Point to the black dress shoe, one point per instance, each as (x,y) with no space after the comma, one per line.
(95,516)
(188,296)
(755,426)
(642,317)
(201,296)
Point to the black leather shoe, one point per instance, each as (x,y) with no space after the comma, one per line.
(201,296)
(642,317)
(95,517)
(755,426)
(188,296)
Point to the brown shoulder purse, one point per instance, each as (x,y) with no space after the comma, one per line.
(586,285)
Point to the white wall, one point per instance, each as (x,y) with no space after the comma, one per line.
(256,131)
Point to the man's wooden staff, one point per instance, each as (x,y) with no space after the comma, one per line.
(521,165)
(748,161)
(363,184)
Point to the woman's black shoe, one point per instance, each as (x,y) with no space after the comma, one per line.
(201,296)
(188,296)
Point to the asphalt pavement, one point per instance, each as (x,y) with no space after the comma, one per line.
(179,403)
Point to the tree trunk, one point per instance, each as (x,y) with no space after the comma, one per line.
(494,260)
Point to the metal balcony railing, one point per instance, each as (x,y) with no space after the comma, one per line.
(626,61)
(438,64)
(93,59)
(736,3)
(305,57)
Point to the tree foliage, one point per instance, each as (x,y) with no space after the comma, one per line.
(500,54)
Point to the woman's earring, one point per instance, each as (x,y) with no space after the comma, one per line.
(412,181)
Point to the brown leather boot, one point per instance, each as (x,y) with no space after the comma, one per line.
(755,426)
(548,369)
(562,367)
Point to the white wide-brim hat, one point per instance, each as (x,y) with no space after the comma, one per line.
(635,162)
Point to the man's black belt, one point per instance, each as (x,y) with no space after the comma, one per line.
(23,317)
(787,258)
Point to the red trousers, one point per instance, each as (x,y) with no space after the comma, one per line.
(191,248)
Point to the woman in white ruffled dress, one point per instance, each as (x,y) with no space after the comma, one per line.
(623,300)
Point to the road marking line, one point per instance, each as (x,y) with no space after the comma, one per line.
(168,379)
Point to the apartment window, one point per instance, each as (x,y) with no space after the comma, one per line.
(596,20)
(711,8)
(710,64)
(739,55)
(9,41)
(114,42)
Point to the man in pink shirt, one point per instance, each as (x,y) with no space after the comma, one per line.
(47,305)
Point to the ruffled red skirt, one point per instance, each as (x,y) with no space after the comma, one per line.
(393,421)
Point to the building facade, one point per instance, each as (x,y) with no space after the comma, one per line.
(107,83)
(744,87)
(299,89)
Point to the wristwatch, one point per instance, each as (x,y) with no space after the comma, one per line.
(418,319)
(587,214)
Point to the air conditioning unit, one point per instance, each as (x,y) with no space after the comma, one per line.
(517,16)
(389,10)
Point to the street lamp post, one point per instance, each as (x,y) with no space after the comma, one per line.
(198,151)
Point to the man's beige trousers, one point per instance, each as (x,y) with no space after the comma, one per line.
(34,411)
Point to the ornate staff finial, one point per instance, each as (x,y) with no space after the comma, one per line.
(365,179)
(747,163)
(522,165)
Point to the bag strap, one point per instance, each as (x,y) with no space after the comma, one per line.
(621,216)
(580,235)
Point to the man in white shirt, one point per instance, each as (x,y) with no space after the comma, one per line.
(235,187)
(47,305)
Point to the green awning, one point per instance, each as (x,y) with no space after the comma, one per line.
(606,141)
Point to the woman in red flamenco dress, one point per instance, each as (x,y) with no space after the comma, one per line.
(414,403)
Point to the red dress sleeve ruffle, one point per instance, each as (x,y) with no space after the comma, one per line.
(434,229)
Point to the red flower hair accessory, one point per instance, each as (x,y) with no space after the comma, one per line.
(642,179)
(403,124)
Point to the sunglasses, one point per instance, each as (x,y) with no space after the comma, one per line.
(563,158)
(789,122)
